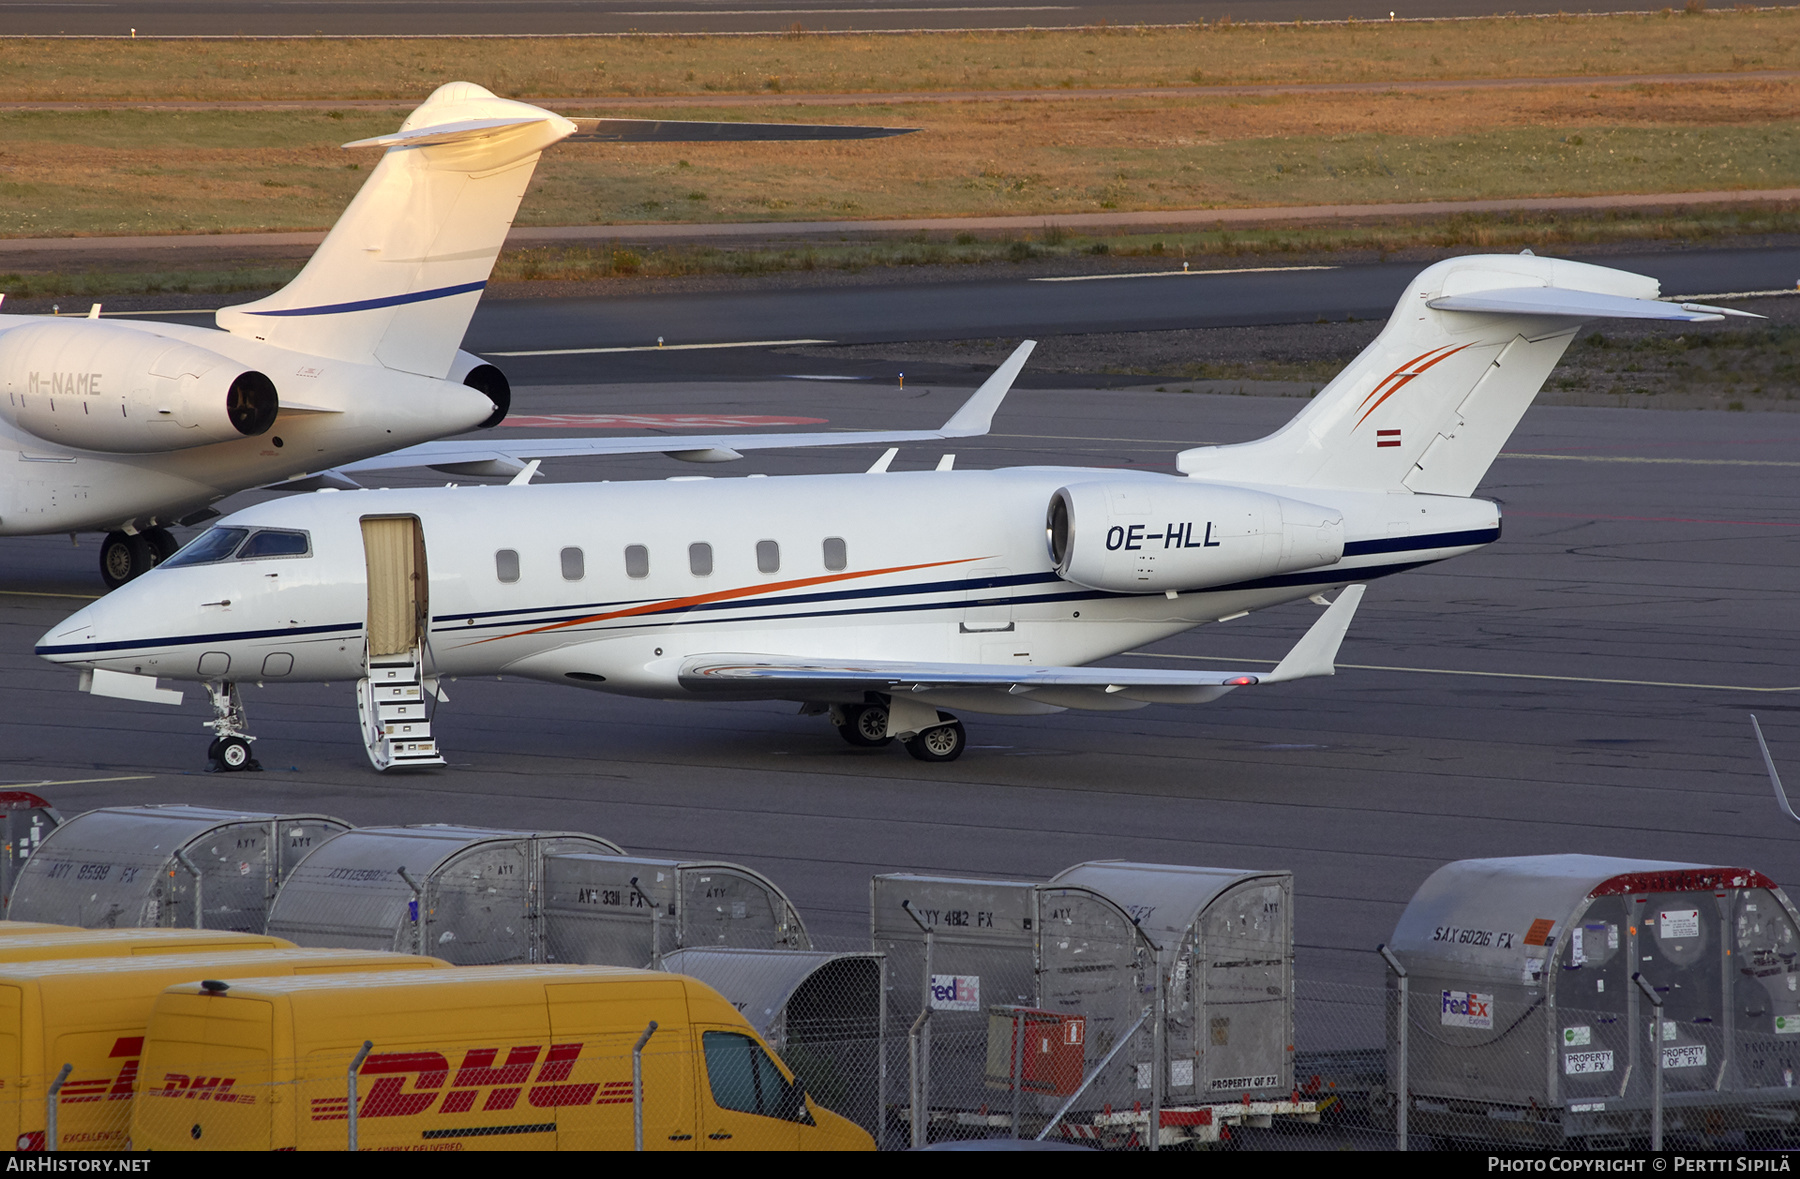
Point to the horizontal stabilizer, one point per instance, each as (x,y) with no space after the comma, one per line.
(1578,304)
(685,131)
(972,420)
(448,132)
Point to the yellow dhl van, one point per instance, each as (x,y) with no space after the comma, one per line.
(470,1058)
(91,1013)
(124,943)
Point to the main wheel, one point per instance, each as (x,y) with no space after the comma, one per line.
(231,754)
(163,544)
(939,743)
(865,725)
(124,557)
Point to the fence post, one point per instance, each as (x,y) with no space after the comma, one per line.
(350,1088)
(1158,1064)
(881,1063)
(921,1042)
(915,1099)
(418,910)
(50,1106)
(1656,1037)
(1018,1066)
(637,1087)
(1403,1090)
(181,857)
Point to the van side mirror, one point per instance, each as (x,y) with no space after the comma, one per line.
(794,1104)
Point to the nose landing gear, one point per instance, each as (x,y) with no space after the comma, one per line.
(230,749)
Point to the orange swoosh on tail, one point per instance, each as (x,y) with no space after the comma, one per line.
(1418,372)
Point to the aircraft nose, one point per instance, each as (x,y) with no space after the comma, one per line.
(77,640)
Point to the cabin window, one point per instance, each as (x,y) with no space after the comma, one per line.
(837,557)
(574,565)
(275,542)
(215,544)
(637,561)
(768,556)
(506,565)
(700,560)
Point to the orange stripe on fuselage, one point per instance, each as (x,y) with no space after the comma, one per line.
(1402,383)
(720,596)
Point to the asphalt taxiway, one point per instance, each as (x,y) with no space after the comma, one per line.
(1581,685)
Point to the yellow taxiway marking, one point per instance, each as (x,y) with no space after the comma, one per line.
(36,594)
(1624,458)
(77,781)
(1183,273)
(1496,675)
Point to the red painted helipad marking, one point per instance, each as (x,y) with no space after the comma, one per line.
(649,421)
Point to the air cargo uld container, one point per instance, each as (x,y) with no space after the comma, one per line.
(41,946)
(1191,967)
(1526,1026)
(91,1014)
(186,866)
(470,895)
(25,821)
(822,1011)
(614,910)
(476,1058)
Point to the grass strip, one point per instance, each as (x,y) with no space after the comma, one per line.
(1220,53)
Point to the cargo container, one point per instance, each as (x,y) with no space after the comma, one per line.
(510,1058)
(1186,971)
(614,910)
(179,866)
(822,1011)
(1526,1028)
(91,1015)
(27,820)
(127,943)
(470,895)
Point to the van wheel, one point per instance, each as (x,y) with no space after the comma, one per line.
(865,726)
(939,743)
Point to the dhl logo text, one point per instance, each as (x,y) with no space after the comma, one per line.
(410,1083)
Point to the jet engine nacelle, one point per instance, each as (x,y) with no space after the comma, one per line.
(100,386)
(1146,537)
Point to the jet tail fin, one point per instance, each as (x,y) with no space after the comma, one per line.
(1427,406)
(397,278)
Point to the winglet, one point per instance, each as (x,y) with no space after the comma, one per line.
(1316,652)
(976,416)
(1781,797)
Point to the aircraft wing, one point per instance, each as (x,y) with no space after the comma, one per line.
(1068,687)
(489,456)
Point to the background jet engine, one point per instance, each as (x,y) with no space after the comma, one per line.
(100,386)
(1152,537)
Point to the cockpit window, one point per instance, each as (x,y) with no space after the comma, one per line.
(215,544)
(275,542)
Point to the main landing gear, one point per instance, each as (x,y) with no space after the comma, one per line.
(124,556)
(939,737)
(230,749)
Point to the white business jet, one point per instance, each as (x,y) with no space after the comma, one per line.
(882,599)
(128,426)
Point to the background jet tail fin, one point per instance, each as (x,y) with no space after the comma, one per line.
(398,276)
(1429,403)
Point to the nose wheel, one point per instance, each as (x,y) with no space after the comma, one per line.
(229,752)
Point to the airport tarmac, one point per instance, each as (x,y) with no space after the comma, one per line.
(388,18)
(1581,685)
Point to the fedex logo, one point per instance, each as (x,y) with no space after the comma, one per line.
(956,992)
(1465,1009)
(410,1083)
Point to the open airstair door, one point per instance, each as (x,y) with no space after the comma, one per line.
(390,698)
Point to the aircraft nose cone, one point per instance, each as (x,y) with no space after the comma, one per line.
(75,641)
